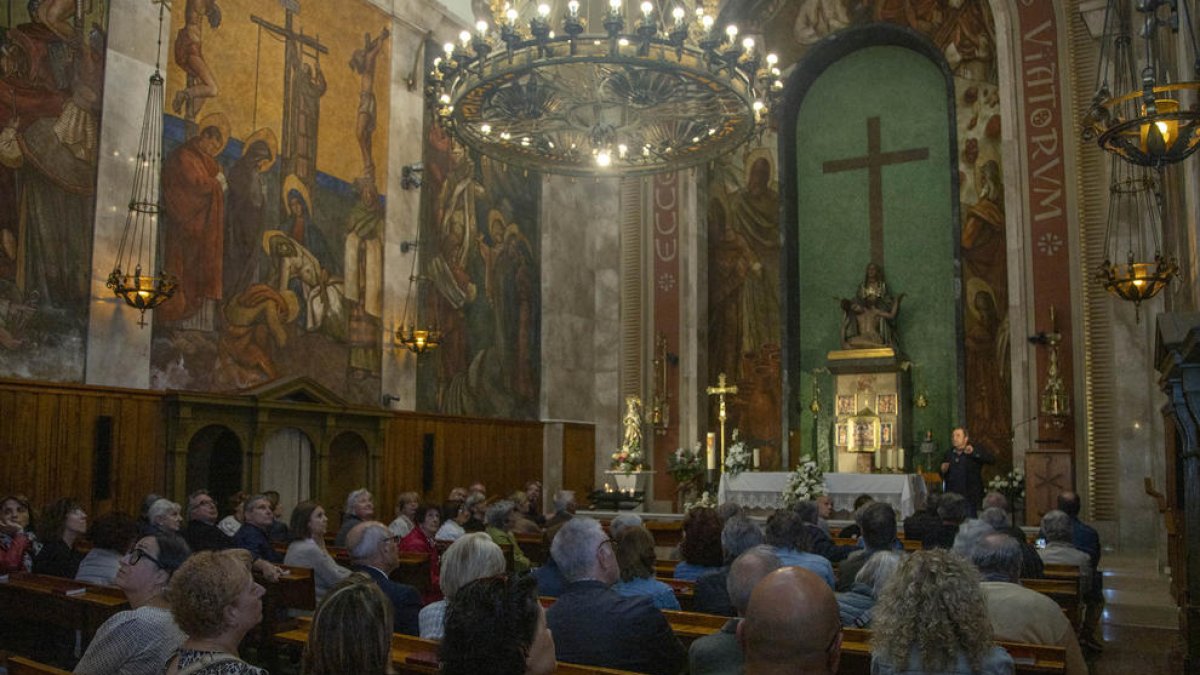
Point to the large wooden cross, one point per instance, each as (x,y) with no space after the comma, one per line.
(873,162)
(719,391)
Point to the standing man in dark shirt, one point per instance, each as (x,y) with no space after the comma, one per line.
(962,469)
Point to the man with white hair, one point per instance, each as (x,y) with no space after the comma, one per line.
(373,552)
(720,653)
(591,623)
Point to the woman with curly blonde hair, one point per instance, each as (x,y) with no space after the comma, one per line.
(931,618)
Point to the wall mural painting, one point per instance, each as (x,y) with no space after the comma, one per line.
(273,183)
(965,32)
(52,57)
(744,317)
(481,262)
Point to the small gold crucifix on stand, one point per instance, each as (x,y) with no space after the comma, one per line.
(719,391)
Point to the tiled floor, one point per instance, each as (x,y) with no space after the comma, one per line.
(1140,621)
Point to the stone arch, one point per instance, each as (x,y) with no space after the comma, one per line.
(215,462)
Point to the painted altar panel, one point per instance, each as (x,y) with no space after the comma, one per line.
(274,162)
(52,59)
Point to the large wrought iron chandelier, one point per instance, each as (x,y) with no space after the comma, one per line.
(144,289)
(602,86)
(1144,115)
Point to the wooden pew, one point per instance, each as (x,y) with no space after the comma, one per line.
(687,626)
(534,547)
(1063,591)
(1056,571)
(665,569)
(413,570)
(685,592)
(67,603)
(667,533)
(19,665)
(415,656)
(1030,659)
(910,545)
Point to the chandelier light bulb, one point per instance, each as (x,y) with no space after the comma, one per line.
(622,150)
(573,7)
(465,38)
(731,30)
(647,8)
(511,14)
(482,27)
(707,21)
(445,99)
(603,159)
(543,10)
(678,13)
(614,5)
(448,48)
(772,59)
(485,129)
(748,44)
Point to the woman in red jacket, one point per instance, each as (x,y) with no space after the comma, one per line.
(421,540)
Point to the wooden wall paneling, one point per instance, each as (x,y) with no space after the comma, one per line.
(579,460)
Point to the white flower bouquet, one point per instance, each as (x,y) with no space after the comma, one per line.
(806,482)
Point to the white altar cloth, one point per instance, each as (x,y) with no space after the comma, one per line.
(764,489)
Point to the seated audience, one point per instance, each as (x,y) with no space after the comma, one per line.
(16,539)
(727,510)
(278,532)
(636,558)
(1085,538)
(564,510)
(359,509)
(350,631)
(549,579)
(63,523)
(476,506)
(791,625)
(878,522)
(141,639)
(144,525)
(473,556)
(622,521)
(501,518)
(920,523)
(739,535)
(593,625)
(421,540)
(525,524)
(818,539)
(254,535)
(165,515)
(931,618)
(824,510)
(477,487)
(998,518)
(231,523)
(309,522)
(969,534)
(788,536)
(700,550)
(1056,528)
(373,551)
(854,531)
(111,535)
(454,516)
(855,605)
(1019,614)
(202,532)
(952,510)
(215,602)
(533,490)
(719,653)
(406,514)
(473,646)
(457,494)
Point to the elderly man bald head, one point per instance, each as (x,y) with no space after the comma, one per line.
(791,625)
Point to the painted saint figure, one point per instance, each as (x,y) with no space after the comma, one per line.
(201,82)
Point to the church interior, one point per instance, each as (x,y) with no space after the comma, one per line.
(658,254)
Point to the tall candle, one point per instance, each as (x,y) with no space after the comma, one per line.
(756,458)
(710,442)
(900,459)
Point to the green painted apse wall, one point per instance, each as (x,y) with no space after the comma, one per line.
(907,92)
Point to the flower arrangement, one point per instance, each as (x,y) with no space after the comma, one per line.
(1011,485)
(685,465)
(628,460)
(738,457)
(806,482)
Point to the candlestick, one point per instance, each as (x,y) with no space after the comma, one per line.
(710,441)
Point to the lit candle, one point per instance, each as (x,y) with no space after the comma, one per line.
(900,458)
(756,458)
(607,488)
(710,441)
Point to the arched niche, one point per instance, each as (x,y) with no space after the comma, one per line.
(287,463)
(214,463)
(350,454)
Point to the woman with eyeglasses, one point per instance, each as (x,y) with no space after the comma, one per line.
(216,601)
(140,640)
